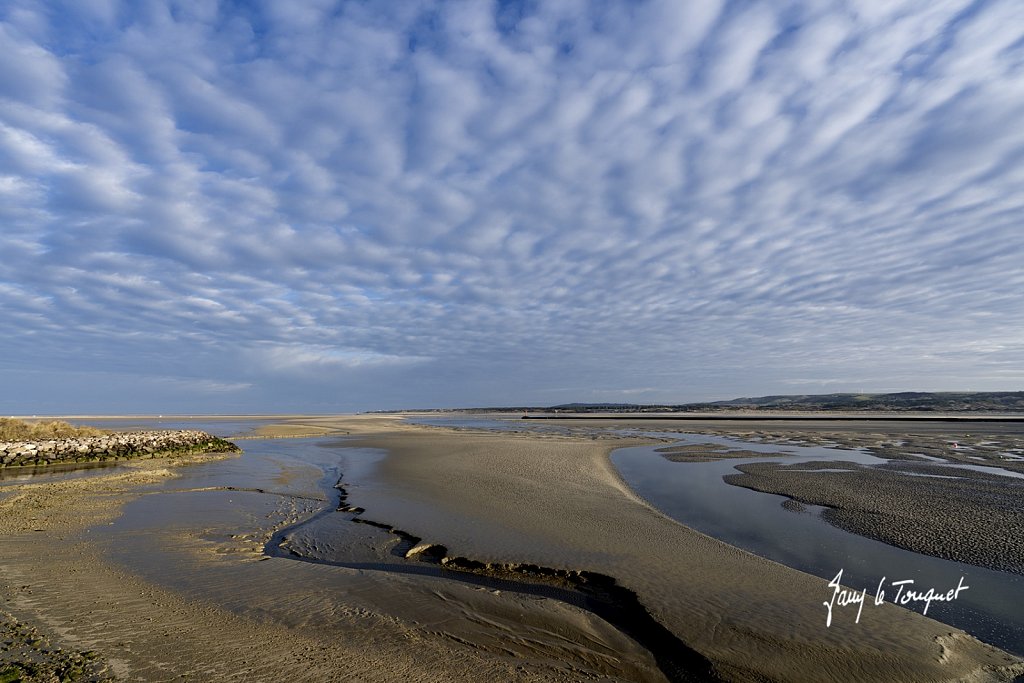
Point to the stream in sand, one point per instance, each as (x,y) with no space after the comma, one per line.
(225,506)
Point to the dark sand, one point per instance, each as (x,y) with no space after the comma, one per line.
(706,452)
(26,654)
(917,501)
(962,515)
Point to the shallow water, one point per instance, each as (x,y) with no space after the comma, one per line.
(34,474)
(496,424)
(468,422)
(792,453)
(696,495)
(985,469)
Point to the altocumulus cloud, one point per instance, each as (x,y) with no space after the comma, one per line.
(326,205)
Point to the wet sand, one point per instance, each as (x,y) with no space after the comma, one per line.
(559,503)
(27,655)
(707,452)
(204,603)
(899,507)
(506,499)
(973,473)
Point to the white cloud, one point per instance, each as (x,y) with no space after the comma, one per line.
(285,358)
(739,45)
(677,196)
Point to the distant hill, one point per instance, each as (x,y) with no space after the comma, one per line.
(908,401)
(999,401)
(916,401)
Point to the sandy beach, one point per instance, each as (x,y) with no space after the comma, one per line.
(203,602)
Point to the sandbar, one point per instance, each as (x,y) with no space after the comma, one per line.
(558,502)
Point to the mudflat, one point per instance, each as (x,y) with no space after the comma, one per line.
(500,500)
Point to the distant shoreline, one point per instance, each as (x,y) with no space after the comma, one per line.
(185,416)
(745,416)
(775,417)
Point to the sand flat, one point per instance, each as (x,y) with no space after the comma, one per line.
(553,501)
(559,502)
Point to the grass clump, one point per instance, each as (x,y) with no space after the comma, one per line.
(11,674)
(12,429)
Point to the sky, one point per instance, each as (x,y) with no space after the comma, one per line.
(335,206)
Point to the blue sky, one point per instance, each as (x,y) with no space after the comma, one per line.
(335,206)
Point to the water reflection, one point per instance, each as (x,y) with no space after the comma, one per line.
(20,475)
(695,494)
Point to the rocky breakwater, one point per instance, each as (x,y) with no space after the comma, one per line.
(122,445)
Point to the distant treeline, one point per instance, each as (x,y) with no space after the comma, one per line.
(908,401)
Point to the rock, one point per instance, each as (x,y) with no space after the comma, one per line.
(427,550)
(127,444)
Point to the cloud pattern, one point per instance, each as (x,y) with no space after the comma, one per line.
(231,206)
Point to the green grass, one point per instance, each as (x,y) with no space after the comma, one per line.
(11,674)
